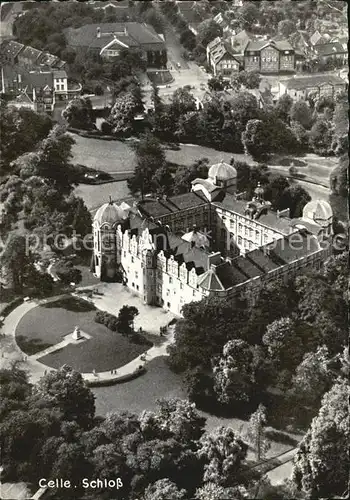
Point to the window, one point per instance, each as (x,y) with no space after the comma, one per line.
(159,288)
(239,240)
(168,293)
(62,87)
(136,275)
(132,259)
(194,293)
(239,227)
(257,234)
(245,231)
(133,285)
(181,286)
(232,223)
(170,279)
(168,304)
(137,287)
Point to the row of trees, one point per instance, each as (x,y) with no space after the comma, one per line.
(292,338)
(50,430)
(36,186)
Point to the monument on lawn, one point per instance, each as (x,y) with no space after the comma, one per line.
(76,334)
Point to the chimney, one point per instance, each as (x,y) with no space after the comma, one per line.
(283,213)
(98,32)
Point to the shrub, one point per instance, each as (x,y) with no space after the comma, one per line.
(108,320)
(11,306)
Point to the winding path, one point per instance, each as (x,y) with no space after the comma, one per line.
(37,370)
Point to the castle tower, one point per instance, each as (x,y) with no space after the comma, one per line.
(105,253)
(147,250)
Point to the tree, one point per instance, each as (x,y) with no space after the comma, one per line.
(234,374)
(21,131)
(79,113)
(188,39)
(339,177)
(217,83)
(149,158)
(65,390)
(223,453)
(182,102)
(312,377)
(286,27)
(126,318)
(247,15)
(123,112)
(255,139)
(341,125)
(283,344)
(213,491)
(320,138)
(203,331)
(255,433)
(208,30)
(300,112)
(14,391)
(176,418)
(283,107)
(17,261)
(183,177)
(244,107)
(163,489)
(321,465)
(295,198)
(248,79)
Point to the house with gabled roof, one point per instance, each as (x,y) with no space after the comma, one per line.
(331,51)
(317,84)
(108,39)
(272,56)
(221,58)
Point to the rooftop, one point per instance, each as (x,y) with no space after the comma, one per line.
(130,33)
(312,81)
(328,49)
(269,219)
(164,206)
(10,48)
(261,261)
(257,45)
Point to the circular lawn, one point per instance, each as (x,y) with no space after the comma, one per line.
(48,324)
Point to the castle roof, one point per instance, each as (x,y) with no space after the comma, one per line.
(163,206)
(110,213)
(222,171)
(318,210)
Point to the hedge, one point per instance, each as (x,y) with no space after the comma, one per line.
(11,306)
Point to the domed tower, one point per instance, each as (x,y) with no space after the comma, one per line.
(105,253)
(319,212)
(224,176)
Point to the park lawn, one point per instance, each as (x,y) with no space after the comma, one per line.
(46,325)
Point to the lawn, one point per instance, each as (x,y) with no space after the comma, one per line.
(48,324)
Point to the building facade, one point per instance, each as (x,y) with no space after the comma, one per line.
(171,251)
(299,89)
(269,56)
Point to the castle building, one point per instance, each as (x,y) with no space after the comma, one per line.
(171,251)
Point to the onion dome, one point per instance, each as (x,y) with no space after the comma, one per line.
(222,171)
(110,213)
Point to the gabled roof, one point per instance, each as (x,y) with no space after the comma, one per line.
(31,53)
(312,81)
(60,74)
(258,45)
(121,4)
(329,49)
(10,48)
(130,33)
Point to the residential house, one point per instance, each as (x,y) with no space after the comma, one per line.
(319,85)
(108,39)
(60,81)
(240,41)
(41,101)
(9,51)
(269,56)
(331,51)
(221,59)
